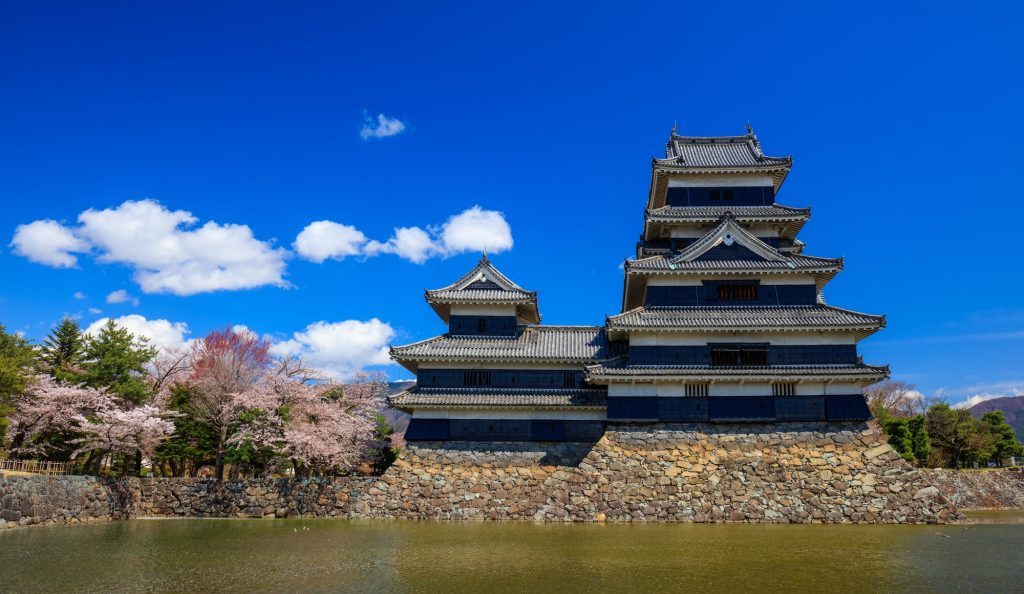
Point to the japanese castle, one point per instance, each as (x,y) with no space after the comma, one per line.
(723,321)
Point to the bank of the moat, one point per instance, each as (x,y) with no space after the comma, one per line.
(789,473)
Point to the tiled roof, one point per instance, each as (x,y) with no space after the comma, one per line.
(775,212)
(791,262)
(788,317)
(706,372)
(476,397)
(544,343)
(713,152)
(484,284)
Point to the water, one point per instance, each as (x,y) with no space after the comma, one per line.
(340,555)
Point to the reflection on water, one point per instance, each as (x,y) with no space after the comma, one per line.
(339,555)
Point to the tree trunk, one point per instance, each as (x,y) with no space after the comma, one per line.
(218,470)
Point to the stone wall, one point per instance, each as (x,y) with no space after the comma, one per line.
(996,488)
(63,500)
(670,472)
(782,473)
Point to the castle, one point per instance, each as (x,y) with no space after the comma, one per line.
(723,321)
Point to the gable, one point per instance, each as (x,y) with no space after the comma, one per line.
(736,251)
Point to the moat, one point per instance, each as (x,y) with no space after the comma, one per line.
(340,555)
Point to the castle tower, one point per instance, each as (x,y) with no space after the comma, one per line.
(722,311)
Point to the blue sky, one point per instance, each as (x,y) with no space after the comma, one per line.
(903,119)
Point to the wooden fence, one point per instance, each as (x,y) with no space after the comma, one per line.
(36,467)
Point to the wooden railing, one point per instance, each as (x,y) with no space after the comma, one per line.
(36,467)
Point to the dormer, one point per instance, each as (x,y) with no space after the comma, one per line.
(484,302)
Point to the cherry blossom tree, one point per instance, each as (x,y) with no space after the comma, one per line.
(48,416)
(319,427)
(134,433)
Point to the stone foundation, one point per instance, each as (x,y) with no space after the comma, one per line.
(32,500)
(994,488)
(667,472)
(782,473)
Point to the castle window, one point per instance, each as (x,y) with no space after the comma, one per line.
(481,326)
(716,194)
(733,356)
(783,389)
(476,378)
(569,379)
(726,194)
(737,292)
(697,390)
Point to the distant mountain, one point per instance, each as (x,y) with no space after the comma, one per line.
(1012,406)
(398,420)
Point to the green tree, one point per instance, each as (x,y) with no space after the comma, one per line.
(63,349)
(957,436)
(897,430)
(116,359)
(17,356)
(1004,440)
(193,444)
(920,444)
(384,455)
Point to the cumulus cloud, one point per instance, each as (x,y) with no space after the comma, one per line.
(474,229)
(321,240)
(339,348)
(380,127)
(79,295)
(1008,392)
(95,311)
(166,253)
(48,242)
(161,333)
(122,296)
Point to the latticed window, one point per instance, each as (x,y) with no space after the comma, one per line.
(476,378)
(784,389)
(731,356)
(481,326)
(569,379)
(737,292)
(696,390)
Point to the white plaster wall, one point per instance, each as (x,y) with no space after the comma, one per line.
(724,180)
(548,415)
(661,281)
(483,310)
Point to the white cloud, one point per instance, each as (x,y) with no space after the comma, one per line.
(166,255)
(122,296)
(95,311)
(321,240)
(340,348)
(380,127)
(474,229)
(412,243)
(79,295)
(48,242)
(161,333)
(1008,392)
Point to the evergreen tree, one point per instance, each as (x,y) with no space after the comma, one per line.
(1005,442)
(920,444)
(63,349)
(116,359)
(897,430)
(16,359)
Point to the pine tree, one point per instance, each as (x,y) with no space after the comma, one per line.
(1006,444)
(63,349)
(116,359)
